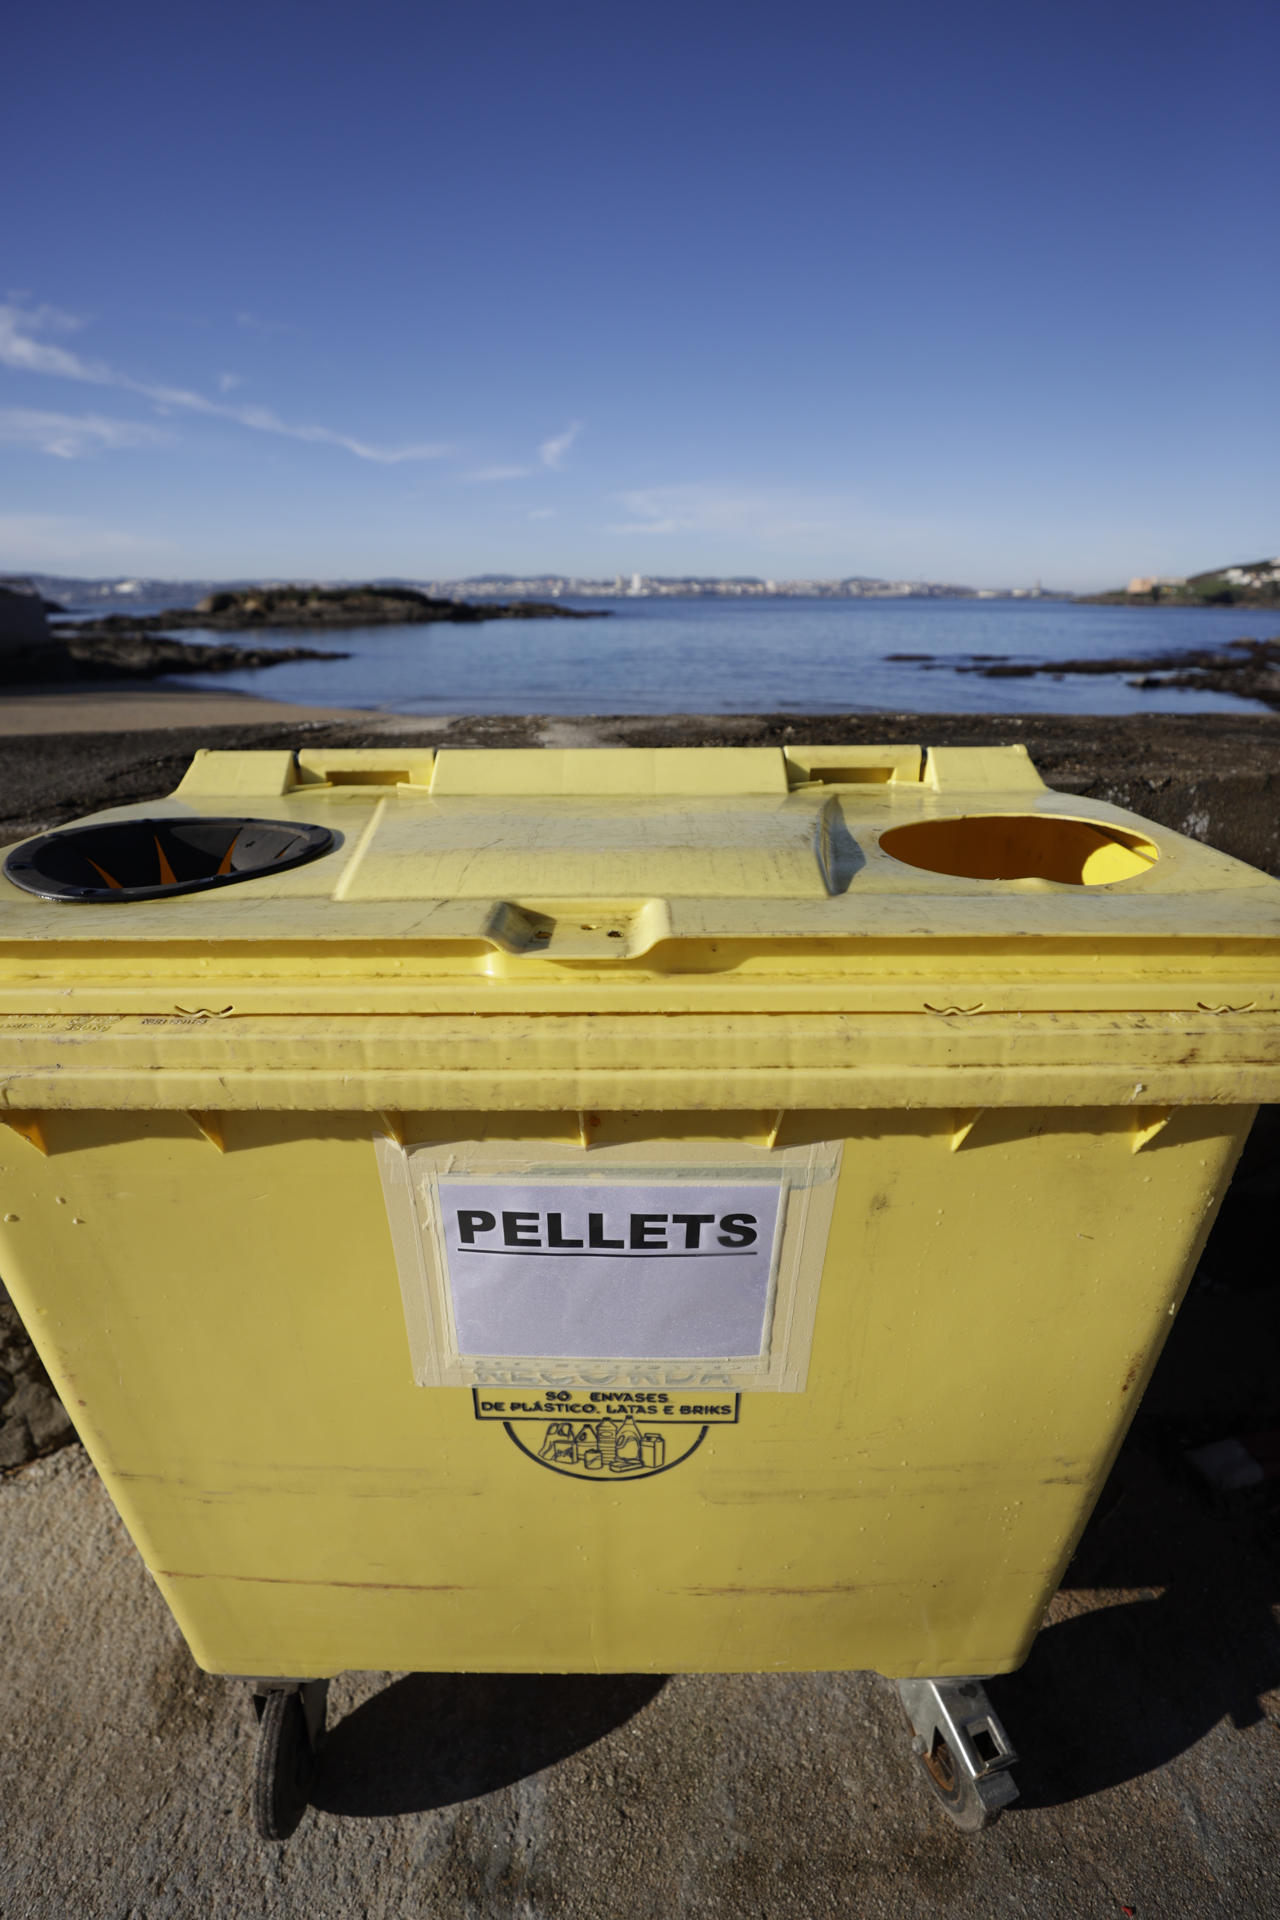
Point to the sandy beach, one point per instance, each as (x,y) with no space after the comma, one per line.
(115,706)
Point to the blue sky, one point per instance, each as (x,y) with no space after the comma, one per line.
(983,293)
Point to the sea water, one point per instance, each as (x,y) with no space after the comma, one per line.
(751,656)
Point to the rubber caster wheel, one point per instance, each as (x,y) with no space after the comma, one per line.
(284,1763)
(959,1797)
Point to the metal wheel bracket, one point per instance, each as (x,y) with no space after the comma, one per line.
(315,1700)
(960,1739)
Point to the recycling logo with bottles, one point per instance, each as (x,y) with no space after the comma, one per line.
(607,1436)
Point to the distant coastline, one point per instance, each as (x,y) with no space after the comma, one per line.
(1248,583)
(239,604)
(491,594)
(487,596)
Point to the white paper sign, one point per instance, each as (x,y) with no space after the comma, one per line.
(577,1270)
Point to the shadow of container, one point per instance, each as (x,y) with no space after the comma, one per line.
(1176,1627)
(433,1740)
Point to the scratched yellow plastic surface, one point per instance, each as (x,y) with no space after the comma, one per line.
(1041,1081)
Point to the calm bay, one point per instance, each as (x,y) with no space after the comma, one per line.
(668,655)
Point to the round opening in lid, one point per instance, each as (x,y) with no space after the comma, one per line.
(1023,846)
(121,861)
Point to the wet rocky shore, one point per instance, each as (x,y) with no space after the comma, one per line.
(1249,669)
(128,651)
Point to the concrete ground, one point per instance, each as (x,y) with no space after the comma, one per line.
(1148,1715)
(1148,1718)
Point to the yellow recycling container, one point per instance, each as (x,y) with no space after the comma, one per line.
(626,1210)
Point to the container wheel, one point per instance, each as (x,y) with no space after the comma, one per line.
(284,1764)
(963,1750)
(956,1793)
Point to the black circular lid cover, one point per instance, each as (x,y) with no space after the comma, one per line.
(119,861)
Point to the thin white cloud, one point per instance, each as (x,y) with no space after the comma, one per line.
(66,543)
(25,354)
(553,451)
(256,324)
(765,516)
(228,382)
(71,436)
(57,319)
(542,513)
(44,318)
(483,475)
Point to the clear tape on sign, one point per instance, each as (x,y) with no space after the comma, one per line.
(523,1271)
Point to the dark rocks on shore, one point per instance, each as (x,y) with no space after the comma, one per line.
(32,1418)
(233,612)
(1250,669)
(22,618)
(124,653)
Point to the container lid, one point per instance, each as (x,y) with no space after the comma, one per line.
(409,880)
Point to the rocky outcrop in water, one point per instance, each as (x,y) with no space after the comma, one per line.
(246,608)
(141,646)
(1250,669)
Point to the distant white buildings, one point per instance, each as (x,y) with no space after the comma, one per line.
(107,594)
(1265,573)
(645,586)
